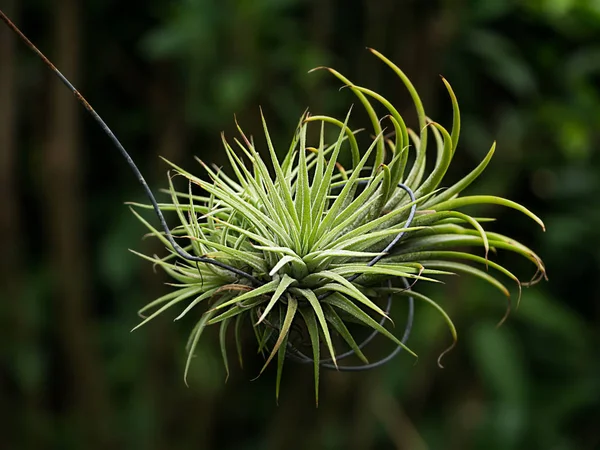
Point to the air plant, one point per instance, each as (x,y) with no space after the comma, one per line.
(307,252)
(319,245)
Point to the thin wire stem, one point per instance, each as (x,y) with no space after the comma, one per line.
(398,349)
(180,251)
(326,363)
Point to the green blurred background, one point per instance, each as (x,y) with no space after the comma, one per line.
(168,76)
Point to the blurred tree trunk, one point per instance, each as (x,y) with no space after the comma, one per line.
(422,43)
(13,325)
(377,13)
(62,178)
(169,132)
(321,26)
(10,257)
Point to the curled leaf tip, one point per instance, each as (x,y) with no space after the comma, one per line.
(257,376)
(506,313)
(390,319)
(319,68)
(387,116)
(340,167)
(427,125)
(439,360)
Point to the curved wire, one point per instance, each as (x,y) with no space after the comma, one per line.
(180,251)
(304,359)
(411,216)
(298,356)
(388,248)
(185,255)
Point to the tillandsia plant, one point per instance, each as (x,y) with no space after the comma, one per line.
(308,253)
(320,244)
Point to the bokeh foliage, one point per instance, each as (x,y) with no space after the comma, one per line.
(168,77)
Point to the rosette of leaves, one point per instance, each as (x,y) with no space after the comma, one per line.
(315,247)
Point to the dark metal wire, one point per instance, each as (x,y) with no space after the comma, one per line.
(388,248)
(298,356)
(180,251)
